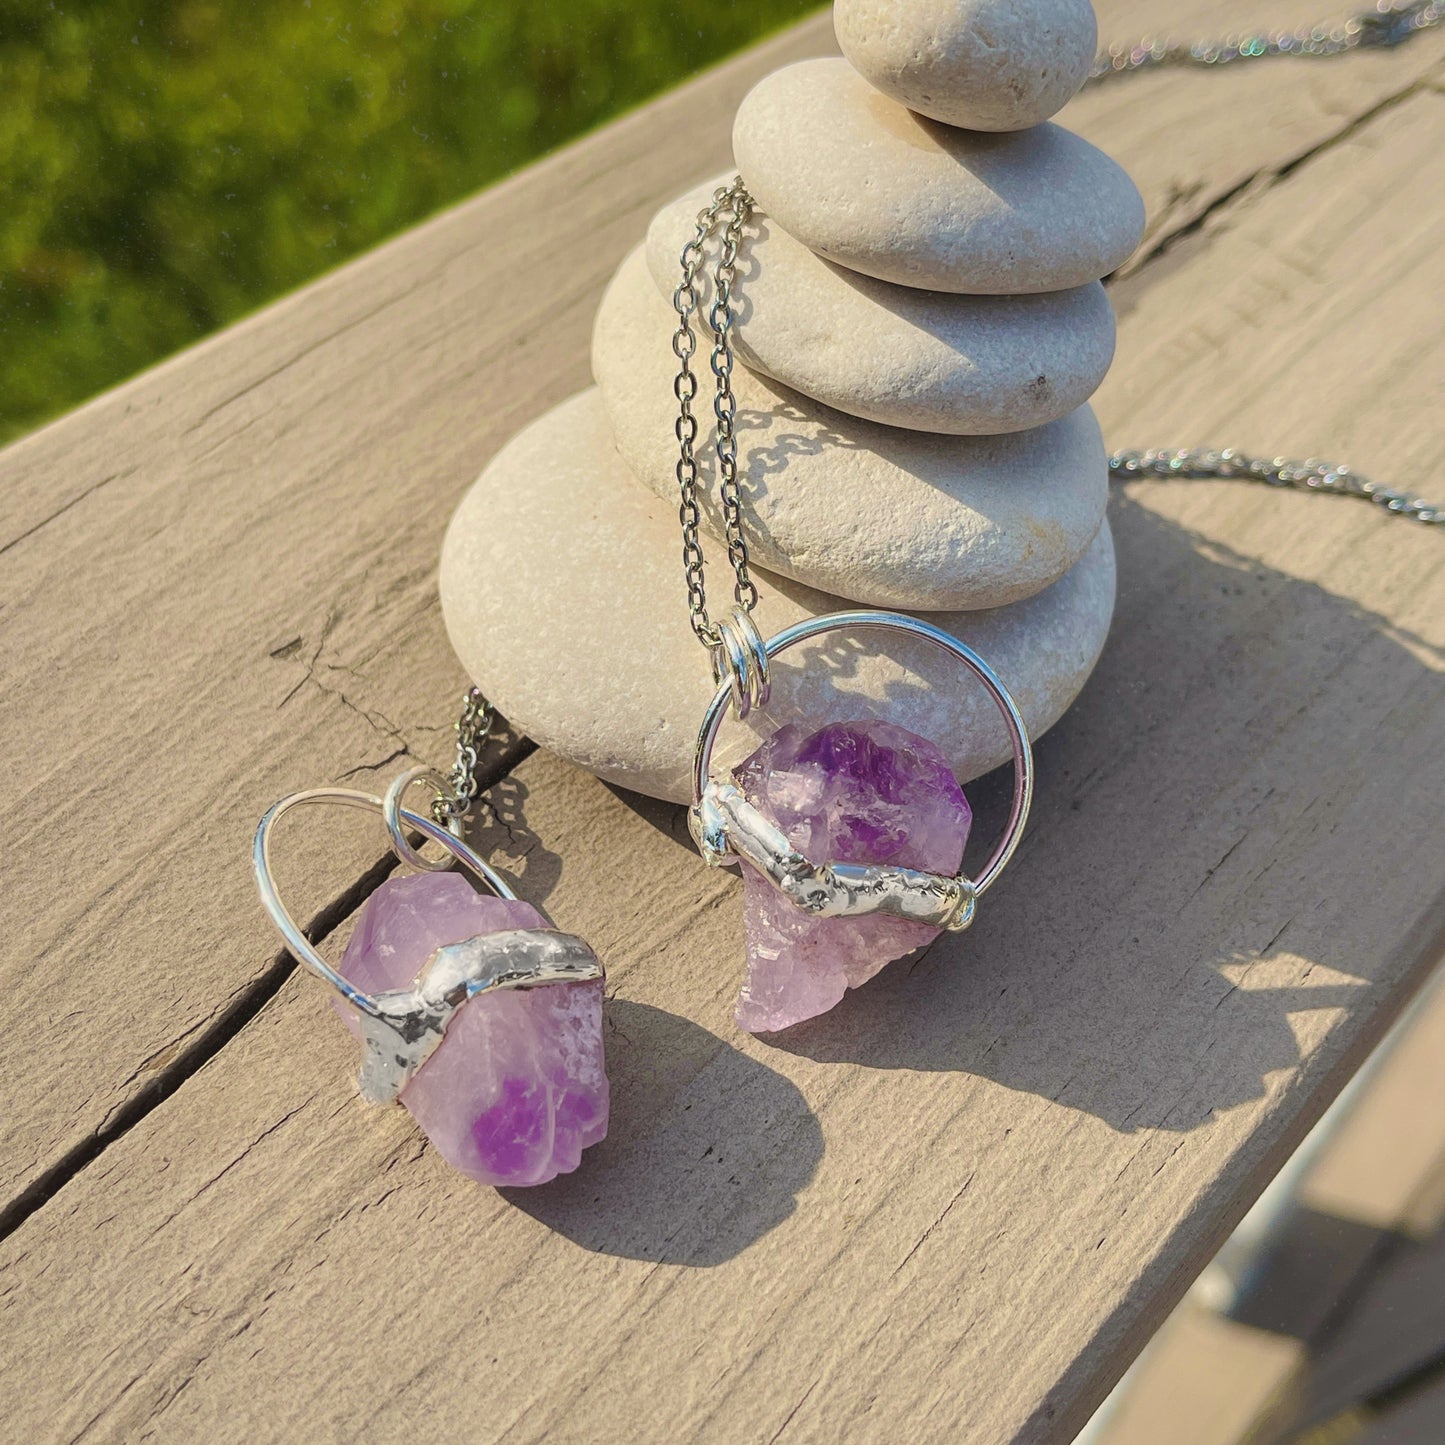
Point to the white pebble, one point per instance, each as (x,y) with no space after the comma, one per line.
(876,514)
(982,64)
(866,183)
(934,361)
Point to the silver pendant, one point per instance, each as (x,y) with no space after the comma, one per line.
(402,1028)
(877,789)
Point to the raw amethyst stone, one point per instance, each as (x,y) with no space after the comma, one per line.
(852,792)
(517,1089)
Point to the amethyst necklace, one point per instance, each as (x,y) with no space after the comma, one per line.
(485,1021)
(852,835)
(471,1008)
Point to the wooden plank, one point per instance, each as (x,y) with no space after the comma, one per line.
(1395,1329)
(233,556)
(219,585)
(962,1201)
(1311,1266)
(1369,1185)
(1192,140)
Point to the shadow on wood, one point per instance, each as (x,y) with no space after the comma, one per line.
(687,1175)
(499,833)
(1069,986)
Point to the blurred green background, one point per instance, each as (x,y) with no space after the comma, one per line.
(167,165)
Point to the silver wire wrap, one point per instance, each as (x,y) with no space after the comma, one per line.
(401,1028)
(726,826)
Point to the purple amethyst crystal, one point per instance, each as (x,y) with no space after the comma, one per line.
(852,792)
(517,1089)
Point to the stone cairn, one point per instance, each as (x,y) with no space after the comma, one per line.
(920,325)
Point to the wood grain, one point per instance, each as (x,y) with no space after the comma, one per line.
(219,585)
(963,1200)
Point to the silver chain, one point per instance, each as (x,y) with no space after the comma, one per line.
(1384,25)
(1381,26)
(1308,476)
(729,210)
(730,207)
(472,729)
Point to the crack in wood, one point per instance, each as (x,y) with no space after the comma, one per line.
(239,1009)
(60,511)
(1266,179)
(185,1060)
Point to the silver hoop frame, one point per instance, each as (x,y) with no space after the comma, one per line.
(391,815)
(726,826)
(299,945)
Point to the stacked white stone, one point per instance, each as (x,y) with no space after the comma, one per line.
(920,326)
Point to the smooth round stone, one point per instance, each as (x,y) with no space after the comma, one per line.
(930,360)
(865,182)
(562,589)
(981,64)
(882,516)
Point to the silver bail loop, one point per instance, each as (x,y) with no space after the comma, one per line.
(740,659)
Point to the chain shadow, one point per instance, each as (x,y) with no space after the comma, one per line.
(690,1172)
(1124,965)
(499,833)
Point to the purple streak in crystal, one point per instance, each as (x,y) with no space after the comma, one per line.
(852,792)
(518,1088)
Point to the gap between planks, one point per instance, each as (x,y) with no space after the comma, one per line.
(180,1061)
(1194,154)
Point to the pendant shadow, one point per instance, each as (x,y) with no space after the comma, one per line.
(691,1171)
(1139,960)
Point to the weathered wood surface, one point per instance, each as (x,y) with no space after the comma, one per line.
(964,1200)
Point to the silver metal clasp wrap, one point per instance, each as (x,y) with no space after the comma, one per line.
(402,1028)
(740,661)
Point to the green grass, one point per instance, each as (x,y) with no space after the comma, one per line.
(167,165)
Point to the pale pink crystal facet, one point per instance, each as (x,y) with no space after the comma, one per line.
(517,1089)
(851,792)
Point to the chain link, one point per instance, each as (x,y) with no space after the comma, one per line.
(730,207)
(1312,475)
(1381,26)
